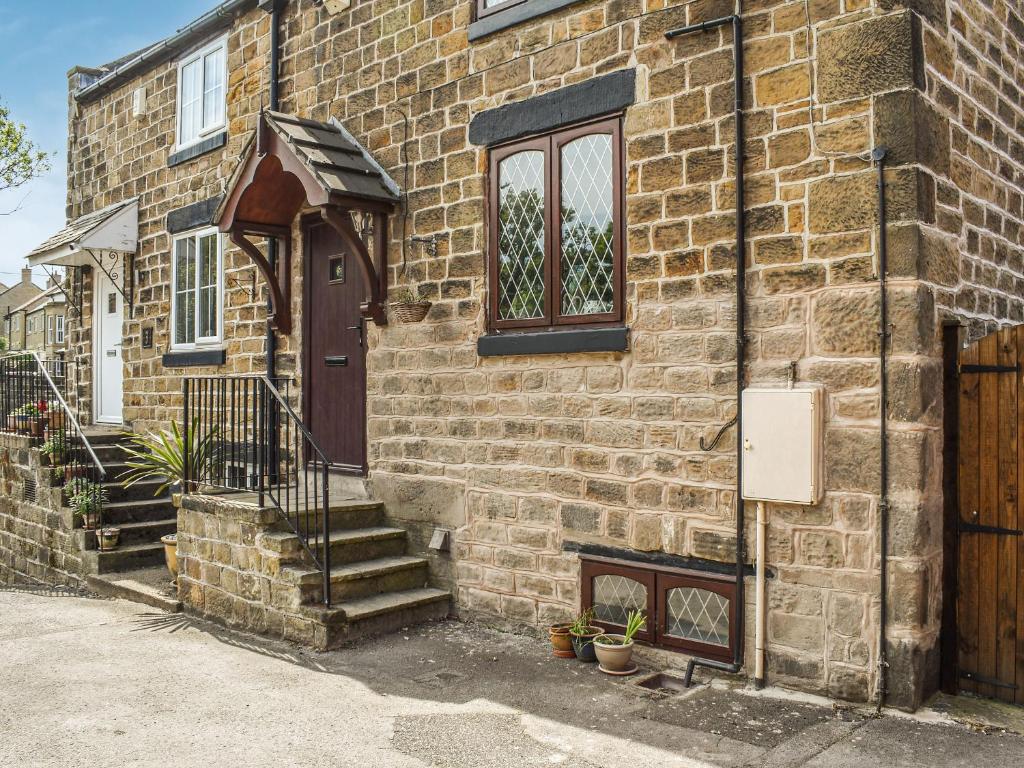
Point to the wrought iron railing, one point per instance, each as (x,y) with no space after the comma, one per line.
(33,404)
(251,441)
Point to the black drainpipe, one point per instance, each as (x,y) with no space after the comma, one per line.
(878,155)
(275,7)
(741,339)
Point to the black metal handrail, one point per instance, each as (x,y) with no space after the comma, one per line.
(33,404)
(242,435)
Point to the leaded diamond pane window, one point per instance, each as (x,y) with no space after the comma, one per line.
(521,236)
(588,226)
(615,597)
(698,615)
(556,229)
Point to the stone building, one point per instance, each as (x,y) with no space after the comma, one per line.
(13,297)
(567,403)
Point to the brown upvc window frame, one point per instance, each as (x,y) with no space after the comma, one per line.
(551,145)
(482,10)
(659,580)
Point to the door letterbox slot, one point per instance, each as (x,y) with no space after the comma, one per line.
(339,361)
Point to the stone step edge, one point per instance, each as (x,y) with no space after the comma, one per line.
(277,541)
(363,608)
(122,586)
(364,569)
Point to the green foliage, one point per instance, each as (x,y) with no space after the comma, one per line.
(54,447)
(162,457)
(583,623)
(28,409)
(20,159)
(85,497)
(403,295)
(635,622)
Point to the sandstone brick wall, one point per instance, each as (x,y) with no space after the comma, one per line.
(524,453)
(38,543)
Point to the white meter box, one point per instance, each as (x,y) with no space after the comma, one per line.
(782,444)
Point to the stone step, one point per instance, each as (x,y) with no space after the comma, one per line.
(345,515)
(363,579)
(149,586)
(347,546)
(351,620)
(124,558)
(142,491)
(146,532)
(105,437)
(141,511)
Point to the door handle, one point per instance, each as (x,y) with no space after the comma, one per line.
(358,328)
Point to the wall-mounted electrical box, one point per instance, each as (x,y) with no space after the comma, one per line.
(782,444)
(139,102)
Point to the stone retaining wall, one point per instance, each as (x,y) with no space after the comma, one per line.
(38,542)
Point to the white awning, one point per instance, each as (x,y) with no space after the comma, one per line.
(113,230)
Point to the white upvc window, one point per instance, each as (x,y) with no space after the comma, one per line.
(198,299)
(60,329)
(202,89)
(49,329)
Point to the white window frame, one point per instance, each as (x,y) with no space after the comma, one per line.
(201,342)
(60,329)
(49,329)
(204,133)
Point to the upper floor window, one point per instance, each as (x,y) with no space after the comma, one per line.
(197,301)
(201,93)
(556,243)
(60,329)
(50,329)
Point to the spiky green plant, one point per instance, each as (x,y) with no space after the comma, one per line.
(161,456)
(583,623)
(635,622)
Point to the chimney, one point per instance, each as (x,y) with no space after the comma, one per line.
(26,275)
(51,282)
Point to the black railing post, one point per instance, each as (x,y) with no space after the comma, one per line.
(186,475)
(326,534)
(261,395)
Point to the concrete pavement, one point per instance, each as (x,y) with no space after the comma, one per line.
(96,682)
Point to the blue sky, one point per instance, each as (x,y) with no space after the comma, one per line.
(40,40)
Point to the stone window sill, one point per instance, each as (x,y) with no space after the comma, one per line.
(554,342)
(194,358)
(517,14)
(208,144)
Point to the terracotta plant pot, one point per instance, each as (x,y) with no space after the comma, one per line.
(108,538)
(561,642)
(411,311)
(36,425)
(53,419)
(613,657)
(584,645)
(170,542)
(90,520)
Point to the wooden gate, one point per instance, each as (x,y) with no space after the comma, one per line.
(990,595)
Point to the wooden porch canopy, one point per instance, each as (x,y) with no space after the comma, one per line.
(292,164)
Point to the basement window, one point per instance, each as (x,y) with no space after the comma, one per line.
(689,611)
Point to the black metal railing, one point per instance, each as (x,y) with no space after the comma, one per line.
(33,404)
(244,436)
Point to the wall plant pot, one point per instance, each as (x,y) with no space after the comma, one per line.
(12,423)
(176,500)
(107,539)
(24,424)
(53,419)
(411,311)
(90,520)
(561,641)
(36,426)
(614,656)
(583,644)
(170,542)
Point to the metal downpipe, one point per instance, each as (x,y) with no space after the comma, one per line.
(878,155)
(741,340)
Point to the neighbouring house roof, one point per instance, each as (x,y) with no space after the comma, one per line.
(50,296)
(114,228)
(123,69)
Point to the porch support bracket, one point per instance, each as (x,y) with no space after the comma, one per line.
(126,293)
(280,291)
(375,277)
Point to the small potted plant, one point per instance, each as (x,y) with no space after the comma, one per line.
(108,538)
(615,652)
(170,542)
(28,420)
(408,308)
(54,449)
(583,632)
(561,641)
(87,499)
(54,415)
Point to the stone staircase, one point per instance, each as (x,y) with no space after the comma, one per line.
(376,586)
(136,569)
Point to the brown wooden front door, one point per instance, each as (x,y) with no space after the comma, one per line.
(990,601)
(335,349)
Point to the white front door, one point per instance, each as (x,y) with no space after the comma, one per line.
(108,318)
